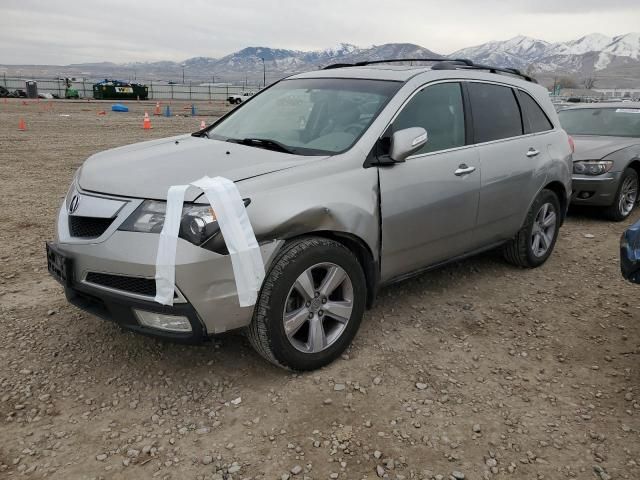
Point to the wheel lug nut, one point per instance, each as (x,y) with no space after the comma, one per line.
(324,300)
(317,294)
(310,314)
(308,304)
(320,313)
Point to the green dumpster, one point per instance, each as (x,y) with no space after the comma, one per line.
(116,90)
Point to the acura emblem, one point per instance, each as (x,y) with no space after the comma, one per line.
(73,206)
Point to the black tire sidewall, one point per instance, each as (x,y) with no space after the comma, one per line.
(546,196)
(281,348)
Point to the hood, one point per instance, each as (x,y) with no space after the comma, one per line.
(591,147)
(148,169)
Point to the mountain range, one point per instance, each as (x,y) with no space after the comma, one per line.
(611,61)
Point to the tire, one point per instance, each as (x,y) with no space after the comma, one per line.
(521,250)
(625,199)
(282,295)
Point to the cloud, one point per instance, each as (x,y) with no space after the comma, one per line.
(48,32)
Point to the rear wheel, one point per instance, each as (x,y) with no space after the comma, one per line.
(310,306)
(533,244)
(626,196)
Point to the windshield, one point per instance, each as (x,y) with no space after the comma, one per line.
(613,122)
(307,116)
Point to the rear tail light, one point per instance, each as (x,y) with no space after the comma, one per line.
(571,143)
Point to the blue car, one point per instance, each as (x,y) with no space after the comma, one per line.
(630,253)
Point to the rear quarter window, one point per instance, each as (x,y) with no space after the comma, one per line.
(537,119)
(495,112)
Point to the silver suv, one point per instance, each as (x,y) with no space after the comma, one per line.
(353,178)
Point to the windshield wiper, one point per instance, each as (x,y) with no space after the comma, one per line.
(265,143)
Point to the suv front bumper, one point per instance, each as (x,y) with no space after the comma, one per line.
(121,310)
(113,275)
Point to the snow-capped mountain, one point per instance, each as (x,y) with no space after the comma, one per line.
(594,42)
(249,60)
(585,55)
(614,60)
(515,52)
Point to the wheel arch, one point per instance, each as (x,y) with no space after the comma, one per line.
(560,192)
(635,164)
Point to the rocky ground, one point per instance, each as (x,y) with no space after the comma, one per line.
(478,370)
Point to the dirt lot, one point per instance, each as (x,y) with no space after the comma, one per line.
(478,368)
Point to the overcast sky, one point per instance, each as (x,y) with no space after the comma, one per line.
(63,32)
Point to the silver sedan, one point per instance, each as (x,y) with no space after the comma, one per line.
(606,162)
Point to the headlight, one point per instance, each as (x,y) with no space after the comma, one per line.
(592,167)
(198,225)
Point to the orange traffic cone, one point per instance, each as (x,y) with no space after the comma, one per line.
(146,124)
(22,126)
(202,125)
(157,110)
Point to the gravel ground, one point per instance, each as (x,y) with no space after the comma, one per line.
(477,370)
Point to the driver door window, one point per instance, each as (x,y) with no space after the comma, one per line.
(439,110)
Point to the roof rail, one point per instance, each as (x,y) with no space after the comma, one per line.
(510,71)
(442,64)
(394,60)
(397,60)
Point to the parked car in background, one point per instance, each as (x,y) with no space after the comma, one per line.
(606,161)
(236,99)
(353,178)
(562,105)
(630,253)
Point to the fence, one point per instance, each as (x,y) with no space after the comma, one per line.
(157,91)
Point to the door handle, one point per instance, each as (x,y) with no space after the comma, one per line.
(463,169)
(532,152)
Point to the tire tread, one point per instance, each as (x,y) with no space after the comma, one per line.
(257,332)
(516,251)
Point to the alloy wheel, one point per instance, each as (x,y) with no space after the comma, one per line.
(628,195)
(318,307)
(544,229)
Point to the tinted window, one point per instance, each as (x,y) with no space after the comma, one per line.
(615,122)
(538,121)
(495,112)
(438,109)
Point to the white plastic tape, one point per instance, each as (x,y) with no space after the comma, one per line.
(244,251)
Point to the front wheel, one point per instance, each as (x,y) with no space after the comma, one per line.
(626,196)
(533,244)
(310,306)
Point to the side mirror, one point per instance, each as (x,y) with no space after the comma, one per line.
(406,142)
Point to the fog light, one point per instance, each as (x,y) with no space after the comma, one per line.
(584,195)
(171,323)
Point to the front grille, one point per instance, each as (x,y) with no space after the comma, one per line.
(137,285)
(88,227)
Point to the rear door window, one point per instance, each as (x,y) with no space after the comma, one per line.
(538,121)
(495,112)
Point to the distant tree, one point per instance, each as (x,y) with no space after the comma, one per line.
(589,82)
(565,81)
(530,70)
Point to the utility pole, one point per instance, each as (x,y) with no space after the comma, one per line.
(264,73)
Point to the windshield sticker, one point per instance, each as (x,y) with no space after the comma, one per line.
(627,110)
